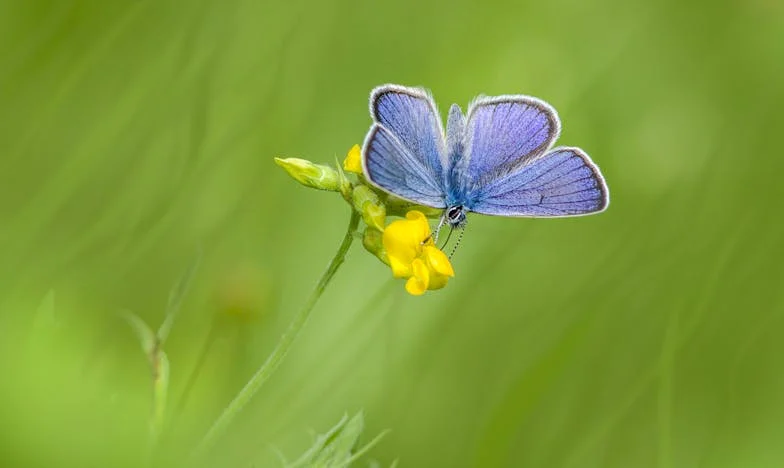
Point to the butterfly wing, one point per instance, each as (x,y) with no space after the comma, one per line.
(561,182)
(503,132)
(404,150)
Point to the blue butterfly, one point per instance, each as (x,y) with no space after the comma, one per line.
(495,160)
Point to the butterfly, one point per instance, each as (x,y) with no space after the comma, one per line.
(494,160)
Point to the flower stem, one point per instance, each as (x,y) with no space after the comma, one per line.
(191,382)
(273,361)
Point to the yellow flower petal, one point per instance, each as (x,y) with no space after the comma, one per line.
(400,269)
(412,254)
(415,215)
(402,240)
(419,226)
(437,281)
(353,161)
(415,287)
(438,261)
(420,272)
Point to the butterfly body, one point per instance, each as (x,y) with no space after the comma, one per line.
(495,159)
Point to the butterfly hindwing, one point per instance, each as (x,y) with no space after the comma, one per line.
(561,182)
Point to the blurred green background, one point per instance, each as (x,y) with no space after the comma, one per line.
(137,137)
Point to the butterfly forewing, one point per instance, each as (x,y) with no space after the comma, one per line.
(503,132)
(392,167)
(404,151)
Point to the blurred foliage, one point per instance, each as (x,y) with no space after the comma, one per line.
(137,136)
(338,447)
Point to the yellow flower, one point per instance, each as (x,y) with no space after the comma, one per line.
(353,161)
(413,255)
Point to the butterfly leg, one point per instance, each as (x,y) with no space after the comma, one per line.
(441,223)
(448,236)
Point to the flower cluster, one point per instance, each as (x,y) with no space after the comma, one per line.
(412,254)
(405,245)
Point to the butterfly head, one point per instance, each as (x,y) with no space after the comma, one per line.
(455,216)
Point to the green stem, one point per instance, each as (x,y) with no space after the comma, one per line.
(273,361)
(191,382)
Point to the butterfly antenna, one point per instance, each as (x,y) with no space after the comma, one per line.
(459,238)
(447,238)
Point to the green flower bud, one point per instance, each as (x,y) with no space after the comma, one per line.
(372,240)
(311,175)
(367,202)
(374,215)
(346,187)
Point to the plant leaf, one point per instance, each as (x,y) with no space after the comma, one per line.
(176,296)
(143,332)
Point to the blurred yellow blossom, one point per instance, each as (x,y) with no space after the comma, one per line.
(412,254)
(244,291)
